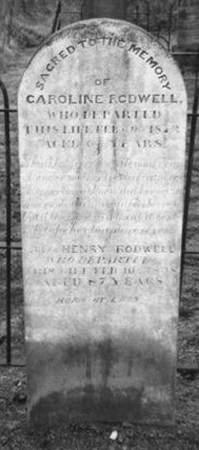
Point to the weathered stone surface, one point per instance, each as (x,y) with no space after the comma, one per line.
(102,112)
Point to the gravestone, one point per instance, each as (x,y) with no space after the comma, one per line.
(188,25)
(102,115)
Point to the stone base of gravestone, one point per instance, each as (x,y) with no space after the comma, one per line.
(102,119)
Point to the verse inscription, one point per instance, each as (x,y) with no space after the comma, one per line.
(102,133)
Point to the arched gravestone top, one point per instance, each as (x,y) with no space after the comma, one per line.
(121,35)
(102,116)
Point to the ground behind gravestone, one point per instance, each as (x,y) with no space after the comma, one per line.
(14,433)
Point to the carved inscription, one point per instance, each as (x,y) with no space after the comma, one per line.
(105,42)
(88,206)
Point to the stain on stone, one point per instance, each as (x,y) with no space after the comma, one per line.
(92,404)
(99,154)
(126,62)
(75,355)
(106,356)
(98,148)
(129,365)
(149,362)
(88,365)
(78,201)
(115,162)
(78,190)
